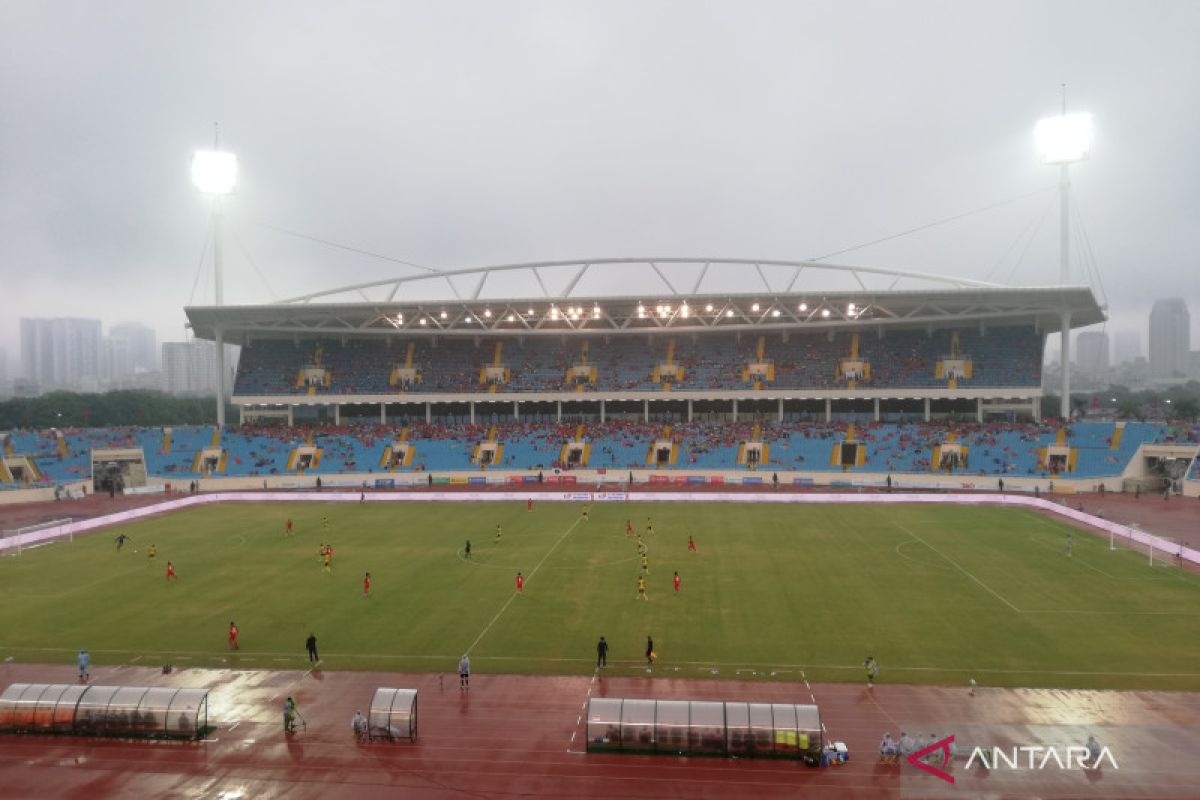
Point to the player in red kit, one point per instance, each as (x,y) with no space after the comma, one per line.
(529,504)
(676,581)
(233,633)
(628,528)
(170,571)
(692,544)
(287,529)
(367,585)
(520,582)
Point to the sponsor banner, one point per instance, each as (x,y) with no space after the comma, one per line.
(660,479)
(385,483)
(516,478)
(480,481)
(529,479)
(841,484)
(601,470)
(154,489)
(752,480)
(609,497)
(562,479)
(695,479)
(716,479)
(441,481)
(584,496)
(681,479)
(802,482)
(459,480)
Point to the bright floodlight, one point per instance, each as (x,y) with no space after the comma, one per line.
(1064,138)
(214,172)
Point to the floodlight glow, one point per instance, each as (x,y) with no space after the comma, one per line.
(684,310)
(708,308)
(487,312)
(729,312)
(754,307)
(596,312)
(824,312)
(802,307)
(443,315)
(1064,138)
(214,172)
(530,312)
(422,320)
(775,312)
(511,318)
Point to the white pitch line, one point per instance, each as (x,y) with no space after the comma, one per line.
(528,577)
(960,568)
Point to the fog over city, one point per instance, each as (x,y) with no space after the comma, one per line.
(458,134)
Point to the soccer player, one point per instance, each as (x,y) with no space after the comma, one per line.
(641,595)
(520,582)
(529,504)
(649,527)
(84,661)
(367,585)
(467,549)
(233,634)
(310,644)
(499,533)
(287,528)
(328,559)
(464,672)
(1068,545)
(676,579)
(152,552)
(872,671)
(645,564)
(325,521)
(170,571)
(120,540)
(601,653)
(692,544)
(628,527)
(650,654)
(585,513)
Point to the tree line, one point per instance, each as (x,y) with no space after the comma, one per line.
(124,407)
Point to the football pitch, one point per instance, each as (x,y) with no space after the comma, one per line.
(937,595)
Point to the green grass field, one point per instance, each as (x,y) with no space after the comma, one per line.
(937,595)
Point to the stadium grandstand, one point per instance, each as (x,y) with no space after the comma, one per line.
(368,382)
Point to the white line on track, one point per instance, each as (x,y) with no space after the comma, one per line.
(528,578)
(700,665)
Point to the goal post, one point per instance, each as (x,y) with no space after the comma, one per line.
(15,541)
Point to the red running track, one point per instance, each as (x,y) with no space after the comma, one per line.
(517,736)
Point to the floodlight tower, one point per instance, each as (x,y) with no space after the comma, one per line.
(215,173)
(1063,140)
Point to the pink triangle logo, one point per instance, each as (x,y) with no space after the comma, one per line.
(944,746)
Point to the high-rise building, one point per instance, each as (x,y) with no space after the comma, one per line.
(61,353)
(1170,339)
(1127,347)
(1091,352)
(140,345)
(5,387)
(191,367)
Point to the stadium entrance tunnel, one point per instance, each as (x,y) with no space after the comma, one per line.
(692,727)
(137,712)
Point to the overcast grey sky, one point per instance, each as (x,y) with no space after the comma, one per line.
(466,133)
